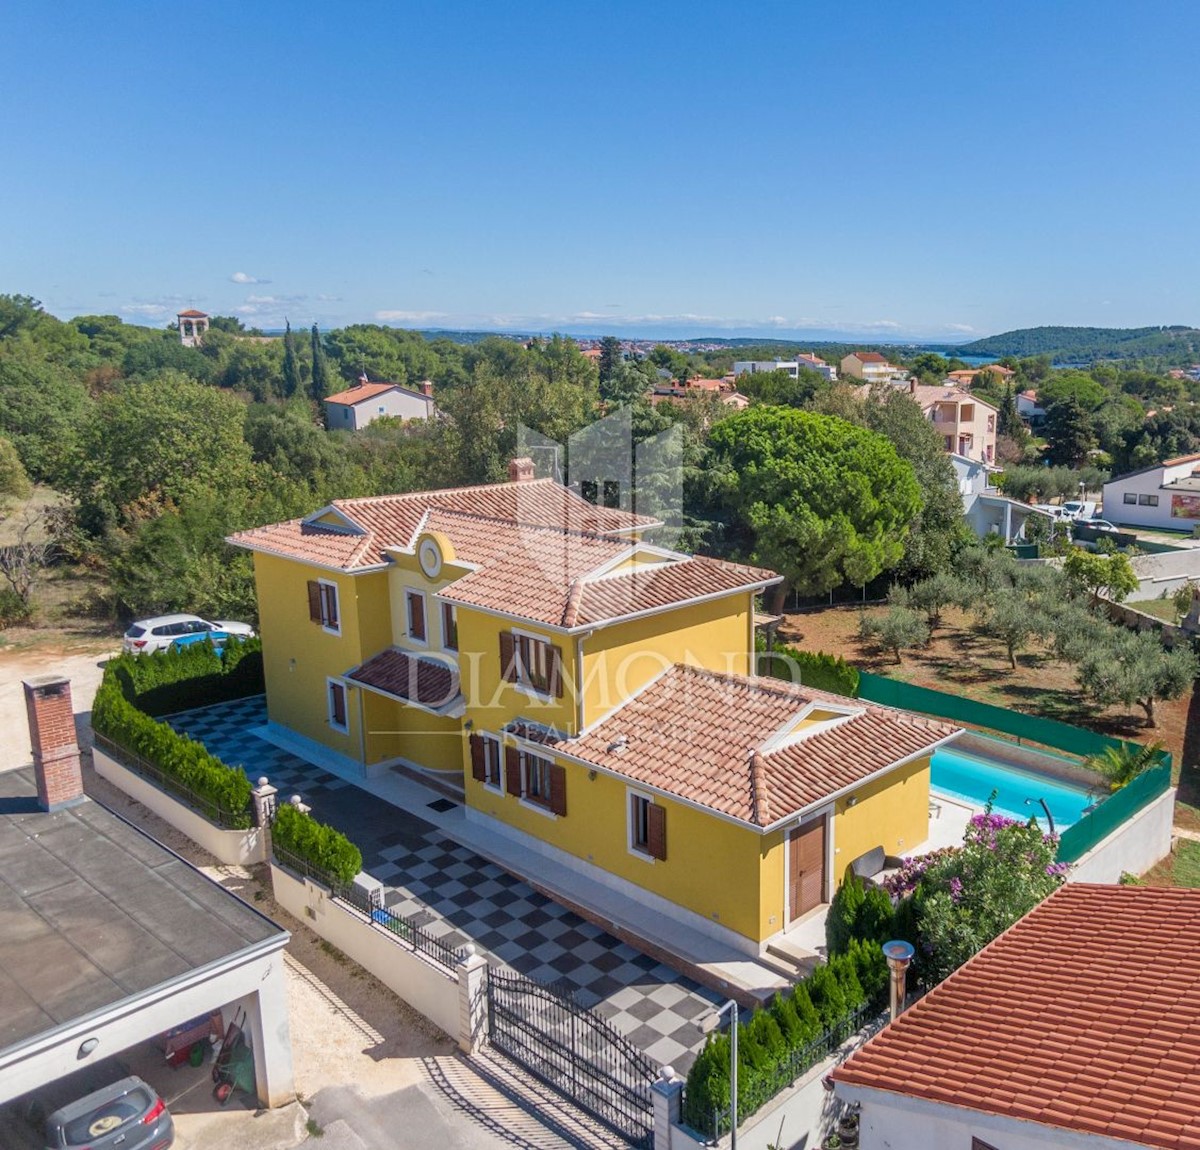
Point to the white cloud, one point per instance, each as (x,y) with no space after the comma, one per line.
(963,327)
(146,310)
(247,278)
(392,316)
(270,308)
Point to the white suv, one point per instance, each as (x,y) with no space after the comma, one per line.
(158,634)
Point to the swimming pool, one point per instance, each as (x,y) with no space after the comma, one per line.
(972,780)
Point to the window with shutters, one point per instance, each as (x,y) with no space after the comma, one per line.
(532,662)
(415,601)
(449,627)
(647,827)
(491,763)
(537,779)
(337,706)
(323,605)
(541,782)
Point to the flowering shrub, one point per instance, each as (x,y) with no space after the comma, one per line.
(955,901)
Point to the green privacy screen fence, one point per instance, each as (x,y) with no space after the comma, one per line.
(1104,818)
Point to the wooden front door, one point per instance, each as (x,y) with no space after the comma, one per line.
(806,864)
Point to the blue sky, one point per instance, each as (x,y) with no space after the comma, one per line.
(923,170)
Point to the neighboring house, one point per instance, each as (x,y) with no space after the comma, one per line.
(987,511)
(192,326)
(793,367)
(365,402)
(966,376)
(966,424)
(591,693)
(669,391)
(109,939)
(1029,409)
(736,400)
(1165,495)
(871,367)
(1077,1027)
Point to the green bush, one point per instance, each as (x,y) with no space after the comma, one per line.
(325,849)
(827,996)
(13,609)
(845,971)
(870,966)
(811,668)
(857,911)
(179,758)
(196,676)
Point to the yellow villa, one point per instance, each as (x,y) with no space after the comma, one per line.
(590,693)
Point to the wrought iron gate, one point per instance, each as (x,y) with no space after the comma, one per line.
(574,1051)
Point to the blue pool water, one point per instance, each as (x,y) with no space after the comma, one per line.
(973,779)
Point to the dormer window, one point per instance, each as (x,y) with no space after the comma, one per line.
(815,719)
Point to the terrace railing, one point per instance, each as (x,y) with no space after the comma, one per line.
(405,930)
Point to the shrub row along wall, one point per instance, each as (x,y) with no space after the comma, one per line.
(783,1040)
(199,675)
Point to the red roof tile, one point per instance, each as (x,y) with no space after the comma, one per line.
(427,681)
(869,357)
(364,391)
(192,313)
(1083,1016)
(694,734)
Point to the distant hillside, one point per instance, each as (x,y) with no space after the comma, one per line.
(1083,344)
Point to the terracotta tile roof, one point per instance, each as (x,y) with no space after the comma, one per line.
(869,357)
(928,394)
(427,681)
(387,521)
(551,577)
(1178,460)
(360,393)
(192,313)
(1083,1016)
(695,734)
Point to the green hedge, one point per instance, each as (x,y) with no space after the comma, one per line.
(198,675)
(179,758)
(326,850)
(781,1041)
(812,668)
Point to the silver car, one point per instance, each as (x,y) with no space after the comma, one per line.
(157,634)
(128,1114)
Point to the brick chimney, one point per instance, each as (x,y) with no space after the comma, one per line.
(427,387)
(520,470)
(55,749)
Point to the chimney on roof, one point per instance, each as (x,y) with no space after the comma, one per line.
(898,954)
(520,470)
(912,386)
(55,747)
(362,380)
(427,387)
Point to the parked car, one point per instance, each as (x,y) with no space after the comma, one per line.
(1097,524)
(1079,508)
(148,635)
(128,1113)
(1052,509)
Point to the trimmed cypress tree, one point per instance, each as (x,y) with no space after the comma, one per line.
(291,365)
(320,369)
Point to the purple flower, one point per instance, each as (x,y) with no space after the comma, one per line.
(956,887)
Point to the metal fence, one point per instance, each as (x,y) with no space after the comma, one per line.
(1106,816)
(215,813)
(573,1051)
(429,945)
(758,1087)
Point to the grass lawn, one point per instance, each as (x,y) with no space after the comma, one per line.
(1159,608)
(1180,868)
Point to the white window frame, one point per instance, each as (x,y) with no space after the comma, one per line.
(330,684)
(527,801)
(443,607)
(412,591)
(631,846)
(522,683)
(493,742)
(337,605)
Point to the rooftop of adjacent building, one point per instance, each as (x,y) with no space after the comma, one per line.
(1083,1016)
(95,912)
(363,390)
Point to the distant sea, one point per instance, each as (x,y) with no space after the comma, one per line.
(970,360)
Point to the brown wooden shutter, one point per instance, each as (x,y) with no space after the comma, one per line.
(416,611)
(478,758)
(508,657)
(656,831)
(338,694)
(558,789)
(512,770)
(314,600)
(556,672)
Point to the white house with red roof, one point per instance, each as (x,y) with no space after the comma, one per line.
(1077,1027)
(871,367)
(365,402)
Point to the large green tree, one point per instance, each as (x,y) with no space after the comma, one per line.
(291,364)
(814,497)
(319,387)
(1069,433)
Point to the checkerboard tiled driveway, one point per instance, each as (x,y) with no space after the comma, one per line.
(460,897)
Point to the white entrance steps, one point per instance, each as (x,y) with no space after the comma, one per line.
(792,957)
